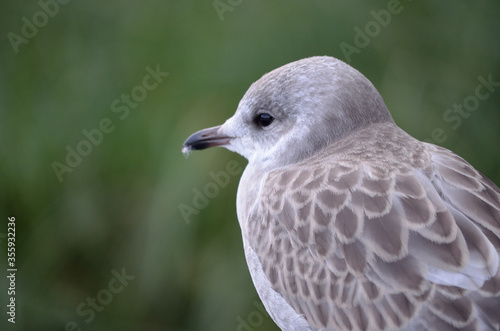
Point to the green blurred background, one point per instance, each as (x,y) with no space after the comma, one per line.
(118,210)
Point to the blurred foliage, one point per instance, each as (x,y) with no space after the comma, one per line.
(119,208)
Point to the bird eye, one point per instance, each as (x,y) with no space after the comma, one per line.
(264,119)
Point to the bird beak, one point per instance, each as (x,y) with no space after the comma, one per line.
(204,139)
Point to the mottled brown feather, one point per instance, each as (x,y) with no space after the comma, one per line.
(373,238)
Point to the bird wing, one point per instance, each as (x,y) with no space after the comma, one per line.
(353,246)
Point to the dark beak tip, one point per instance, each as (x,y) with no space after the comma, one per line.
(203,139)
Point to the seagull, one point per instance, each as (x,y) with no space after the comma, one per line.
(348,222)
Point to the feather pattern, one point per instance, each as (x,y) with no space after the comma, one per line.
(380,231)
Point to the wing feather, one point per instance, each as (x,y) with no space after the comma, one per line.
(355,246)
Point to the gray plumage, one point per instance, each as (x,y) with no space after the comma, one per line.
(349,223)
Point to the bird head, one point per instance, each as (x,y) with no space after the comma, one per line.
(295,111)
